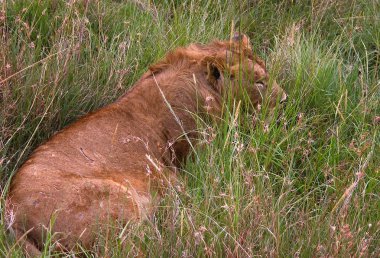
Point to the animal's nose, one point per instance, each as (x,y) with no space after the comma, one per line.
(284,98)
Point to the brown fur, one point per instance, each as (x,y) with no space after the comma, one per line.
(109,164)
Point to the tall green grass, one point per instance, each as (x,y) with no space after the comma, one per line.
(305,185)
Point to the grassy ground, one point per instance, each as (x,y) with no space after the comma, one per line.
(307,186)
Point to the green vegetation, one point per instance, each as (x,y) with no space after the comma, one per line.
(306,185)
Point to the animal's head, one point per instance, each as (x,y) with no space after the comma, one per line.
(232,68)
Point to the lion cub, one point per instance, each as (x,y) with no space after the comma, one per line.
(106,165)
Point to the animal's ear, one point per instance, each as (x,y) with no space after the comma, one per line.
(214,73)
(241,38)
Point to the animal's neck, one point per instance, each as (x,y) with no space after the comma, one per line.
(169,105)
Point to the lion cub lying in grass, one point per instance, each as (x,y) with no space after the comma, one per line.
(107,164)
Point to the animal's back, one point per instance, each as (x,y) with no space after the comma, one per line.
(91,172)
